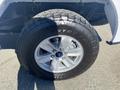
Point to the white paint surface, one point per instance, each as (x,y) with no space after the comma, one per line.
(113,14)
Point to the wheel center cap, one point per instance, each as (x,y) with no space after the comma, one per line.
(59,54)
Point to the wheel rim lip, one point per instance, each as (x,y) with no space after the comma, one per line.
(78,60)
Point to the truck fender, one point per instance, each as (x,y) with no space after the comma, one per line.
(112,10)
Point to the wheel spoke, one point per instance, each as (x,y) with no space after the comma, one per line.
(65,42)
(47,46)
(43,59)
(54,65)
(67,62)
(74,52)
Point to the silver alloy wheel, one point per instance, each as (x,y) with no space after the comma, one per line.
(58,54)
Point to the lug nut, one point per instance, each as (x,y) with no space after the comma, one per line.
(52,56)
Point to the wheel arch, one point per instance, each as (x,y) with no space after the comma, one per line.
(10,19)
(16,12)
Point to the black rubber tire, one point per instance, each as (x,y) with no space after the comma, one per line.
(38,29)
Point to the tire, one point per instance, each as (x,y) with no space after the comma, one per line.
(65,23)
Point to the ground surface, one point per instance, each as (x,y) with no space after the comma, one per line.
(103,75)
